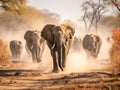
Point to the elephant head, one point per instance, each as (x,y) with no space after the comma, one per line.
(92,44)
(59,40)
(16,49)
(35,44)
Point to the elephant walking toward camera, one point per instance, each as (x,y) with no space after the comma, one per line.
(35,44)
(59,40)
(16,49)
(92,44)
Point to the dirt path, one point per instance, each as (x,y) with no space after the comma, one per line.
(22,76)
(30,80)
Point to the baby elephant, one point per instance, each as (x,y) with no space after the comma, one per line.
(16,49)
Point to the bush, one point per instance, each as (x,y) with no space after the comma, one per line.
(115,51)
(4,52)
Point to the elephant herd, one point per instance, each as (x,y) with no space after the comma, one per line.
(59,40)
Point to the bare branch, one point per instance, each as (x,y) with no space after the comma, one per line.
(116,3)
(93,13)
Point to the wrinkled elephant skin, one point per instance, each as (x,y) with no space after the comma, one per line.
(59,40)
(16,49)
(35,44)
(92,44)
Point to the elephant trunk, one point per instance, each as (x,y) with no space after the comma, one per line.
(60,54)
(38,54)
(60,59)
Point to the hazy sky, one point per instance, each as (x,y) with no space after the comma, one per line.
(67,9)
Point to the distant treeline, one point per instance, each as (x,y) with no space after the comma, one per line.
(30,19)
(111,21)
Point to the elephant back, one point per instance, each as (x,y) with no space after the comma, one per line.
(47,32)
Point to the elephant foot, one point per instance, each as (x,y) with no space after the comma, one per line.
(38,60)
(55,71)
(63,66)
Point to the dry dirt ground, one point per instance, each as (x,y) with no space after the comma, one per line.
(27,79)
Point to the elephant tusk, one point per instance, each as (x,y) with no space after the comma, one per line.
(53,46)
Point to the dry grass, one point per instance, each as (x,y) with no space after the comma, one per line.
(115,51)
(4,52)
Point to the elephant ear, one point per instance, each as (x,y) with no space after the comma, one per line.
(12,42)
(47,32)
(86,40)
(28,34)
(69,30)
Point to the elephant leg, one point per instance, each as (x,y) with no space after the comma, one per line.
(64,54)
(13,56)
(42,48)
(55,65)
(34,56)
(16,55)
(38,55)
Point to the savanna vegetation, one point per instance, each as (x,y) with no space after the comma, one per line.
(115,51)
(17,15)
(4,52)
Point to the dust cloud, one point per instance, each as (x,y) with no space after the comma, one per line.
(77,59)
(14,26)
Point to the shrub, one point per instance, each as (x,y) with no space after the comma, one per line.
(115,51)
(4,52)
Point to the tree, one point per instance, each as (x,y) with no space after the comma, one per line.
(10,21)
(115,3)
(13,5)
(93,12)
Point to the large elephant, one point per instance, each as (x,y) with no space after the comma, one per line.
(59,40)
(35,44)
(92,44)
(16,49)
